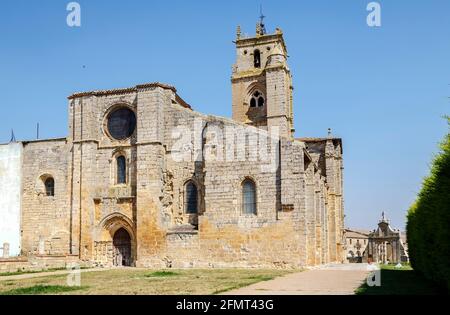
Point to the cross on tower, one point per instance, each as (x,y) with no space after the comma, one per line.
(262,28)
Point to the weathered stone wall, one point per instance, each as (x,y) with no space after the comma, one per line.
(328,156)
(279,93)
(45,219)
(10,194)
(96,200)
(298,196)
(276,236)
(38,263)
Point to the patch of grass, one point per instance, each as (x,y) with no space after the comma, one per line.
(403,281)
(25,272)
(159,274)
(42,289)
(227,289)
(261,278)
(16,273)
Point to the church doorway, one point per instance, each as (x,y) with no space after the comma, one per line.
(122,248)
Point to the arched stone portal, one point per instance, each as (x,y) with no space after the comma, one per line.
(122,248)
(115,243)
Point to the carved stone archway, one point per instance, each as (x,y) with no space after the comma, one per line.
(115,243)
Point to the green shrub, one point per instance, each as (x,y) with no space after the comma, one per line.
(428,225)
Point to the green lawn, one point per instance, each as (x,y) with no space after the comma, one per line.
(404,281)
(133,281)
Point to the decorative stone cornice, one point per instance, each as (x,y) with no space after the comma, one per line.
(135,89)
(123,90)
(253,73)
(247,74)
(266,38)
(44,140)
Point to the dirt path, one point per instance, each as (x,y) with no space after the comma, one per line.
(326,280)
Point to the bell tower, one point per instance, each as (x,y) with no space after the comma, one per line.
(262,82)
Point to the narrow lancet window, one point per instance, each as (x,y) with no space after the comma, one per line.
(191,198)
(50,187)
(121,170)
(257,58)
(249,197)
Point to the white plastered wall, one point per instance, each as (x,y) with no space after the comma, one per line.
(10,194)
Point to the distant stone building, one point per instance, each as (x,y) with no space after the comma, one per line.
(386,245)
(144,180)
(383,245)
(355,245)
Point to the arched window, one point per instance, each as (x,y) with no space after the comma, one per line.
(249,197)
(191,199)
(260,101)
(257,58)
(121,170)
(257,100)
(50,187)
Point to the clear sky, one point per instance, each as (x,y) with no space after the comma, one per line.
(383,90)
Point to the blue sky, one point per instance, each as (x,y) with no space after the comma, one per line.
(383,90)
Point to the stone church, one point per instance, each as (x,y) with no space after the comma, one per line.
(144,180)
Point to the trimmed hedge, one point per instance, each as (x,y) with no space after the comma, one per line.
(428,226)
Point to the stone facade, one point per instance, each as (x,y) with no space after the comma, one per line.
(386,245)
(81,192)
(382,245)
(356,245)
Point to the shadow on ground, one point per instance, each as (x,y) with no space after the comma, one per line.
(403,281)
